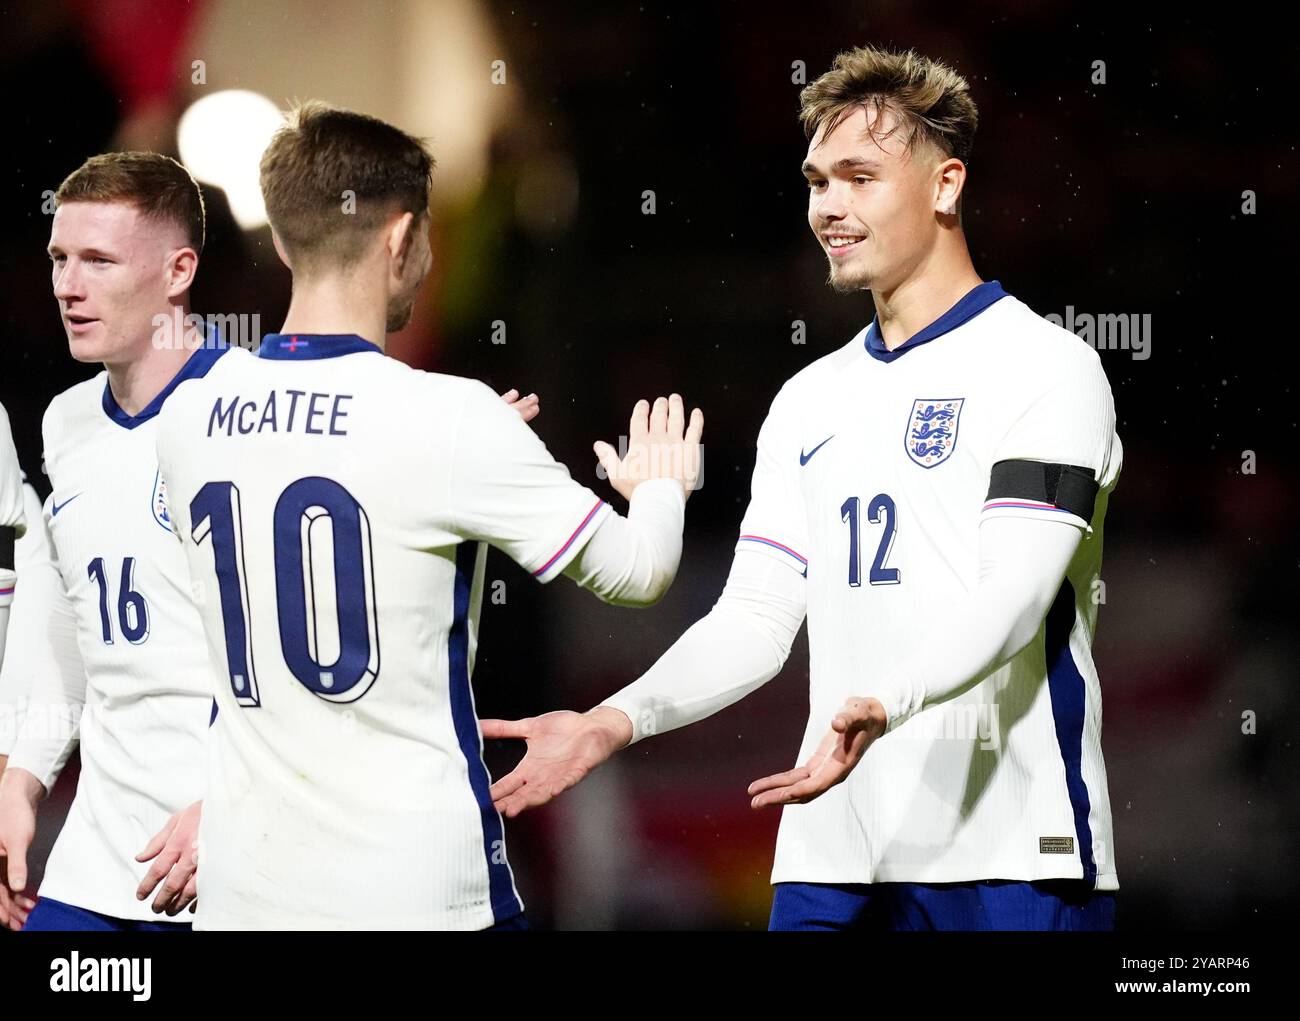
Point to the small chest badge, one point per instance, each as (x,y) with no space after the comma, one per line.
(931,435)
(160,512)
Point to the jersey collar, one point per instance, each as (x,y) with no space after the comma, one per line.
(300,346)
(195,367)
(972,303)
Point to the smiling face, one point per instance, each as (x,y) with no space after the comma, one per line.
(113,271)
(871,203)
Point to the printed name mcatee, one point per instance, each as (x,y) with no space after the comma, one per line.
(314,414)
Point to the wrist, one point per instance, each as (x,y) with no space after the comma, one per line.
(661,487)
(613,724)
(877,717)
(17,783)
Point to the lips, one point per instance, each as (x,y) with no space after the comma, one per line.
(840,245)
(79,323)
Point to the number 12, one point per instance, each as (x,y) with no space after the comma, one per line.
(881,508)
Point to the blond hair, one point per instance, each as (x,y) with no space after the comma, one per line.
(932,101)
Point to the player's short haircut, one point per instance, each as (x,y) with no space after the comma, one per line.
(931,100)
(157,185)
(331,178)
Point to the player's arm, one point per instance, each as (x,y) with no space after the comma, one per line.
(511,493)
(44,655)
(12,526)
(8,584)
(1022,563)
(1051,465)
(29,555)
(739,645)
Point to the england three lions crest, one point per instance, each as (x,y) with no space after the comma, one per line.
(161,513)
(931,435)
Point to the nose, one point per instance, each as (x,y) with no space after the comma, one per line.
(830,206)
(68,281)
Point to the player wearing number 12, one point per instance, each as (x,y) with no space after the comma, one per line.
(931,497)
(331,501)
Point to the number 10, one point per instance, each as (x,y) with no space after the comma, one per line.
(215,512)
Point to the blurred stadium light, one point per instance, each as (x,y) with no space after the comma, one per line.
(221,139)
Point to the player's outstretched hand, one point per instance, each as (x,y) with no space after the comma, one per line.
(175,849)
(563,747)
(19,794)
(858,723)
(528,407)
(660,444)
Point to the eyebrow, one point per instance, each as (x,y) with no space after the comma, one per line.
(848,163)
(92,251)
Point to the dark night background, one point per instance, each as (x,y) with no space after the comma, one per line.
(1123,197)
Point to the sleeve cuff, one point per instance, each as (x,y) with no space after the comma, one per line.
(773,548)
(554,566)
(1008,507)
(642,718)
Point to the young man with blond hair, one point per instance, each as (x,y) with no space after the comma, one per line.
(332,502)
(931,497)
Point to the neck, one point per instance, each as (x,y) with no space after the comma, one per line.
(934,286)
(338,303)
(136,382)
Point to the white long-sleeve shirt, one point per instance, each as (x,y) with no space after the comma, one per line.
(892,488)
(333,504)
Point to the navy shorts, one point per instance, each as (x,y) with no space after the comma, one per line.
(516,923)
(1054,904)
(55,916)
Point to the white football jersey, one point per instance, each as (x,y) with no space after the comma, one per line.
(27,617)
(331,500)
(11,503)
(874,471)
(147,688)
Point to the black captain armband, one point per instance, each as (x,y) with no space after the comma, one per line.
(1066,487)
(7,546)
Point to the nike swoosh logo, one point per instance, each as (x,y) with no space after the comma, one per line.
(805,458)
(59,506)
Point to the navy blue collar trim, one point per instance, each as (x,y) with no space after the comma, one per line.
(972,303)
(300,346)
(195,368)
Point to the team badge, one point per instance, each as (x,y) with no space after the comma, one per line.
(160,512)
(931,435)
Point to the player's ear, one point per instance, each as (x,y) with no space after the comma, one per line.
(950,179)
(400,238)
(182,265)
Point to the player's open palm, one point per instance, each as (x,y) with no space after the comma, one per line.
(563,747)
(175,853)
(17,829)
(661,443)
(858,723)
